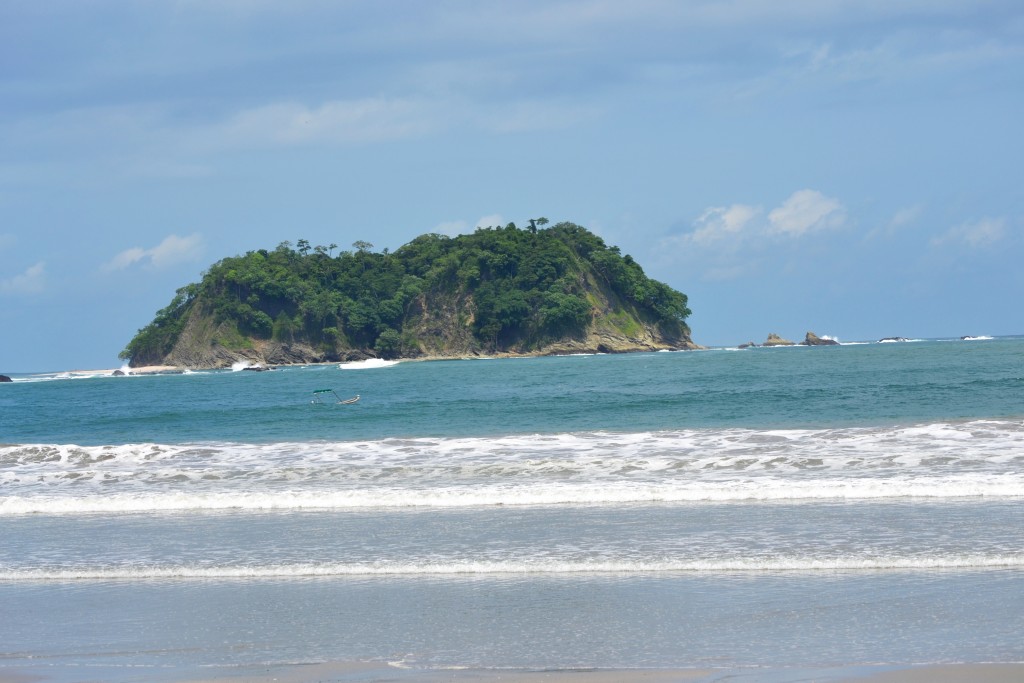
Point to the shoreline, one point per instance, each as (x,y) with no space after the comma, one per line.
(359,672)
(179,369)
(376,672)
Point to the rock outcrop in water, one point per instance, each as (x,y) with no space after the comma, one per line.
(814,340)
(5,378)
(776,340)
(499,291)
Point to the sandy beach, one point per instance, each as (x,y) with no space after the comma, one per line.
(362,672)
(371,673)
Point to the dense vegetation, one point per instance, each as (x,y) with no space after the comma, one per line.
(513,288)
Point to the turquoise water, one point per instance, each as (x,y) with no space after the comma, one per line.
(869,384)
(832,506)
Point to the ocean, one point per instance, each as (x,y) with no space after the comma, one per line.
(735,510)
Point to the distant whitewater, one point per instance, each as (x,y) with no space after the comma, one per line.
(368,364)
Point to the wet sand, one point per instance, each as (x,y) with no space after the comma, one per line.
(369,673)
(362,672)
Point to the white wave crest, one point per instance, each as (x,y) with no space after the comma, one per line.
(554,566)
(545,494)
(368,364)
(983,458)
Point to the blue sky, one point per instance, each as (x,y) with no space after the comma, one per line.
(851,168)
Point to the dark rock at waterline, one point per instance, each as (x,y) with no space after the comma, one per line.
(748,345)
(117,373)
(5,378)
(258,368)
(893,339)
(814,340)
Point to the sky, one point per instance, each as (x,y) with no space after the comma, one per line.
(851,168)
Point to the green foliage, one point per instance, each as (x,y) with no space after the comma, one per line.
(389,343)
(522,286)
(155,340)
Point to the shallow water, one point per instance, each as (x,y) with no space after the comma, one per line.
(815,507)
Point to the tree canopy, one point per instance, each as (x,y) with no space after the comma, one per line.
(515,287)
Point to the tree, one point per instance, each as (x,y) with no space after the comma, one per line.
(514,289)
(389,343)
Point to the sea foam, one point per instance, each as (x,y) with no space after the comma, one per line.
(805,564)
(978,459)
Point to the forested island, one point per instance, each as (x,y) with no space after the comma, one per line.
(501,290)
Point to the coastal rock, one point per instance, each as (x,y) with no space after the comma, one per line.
(776,340)
(892,339)
(5,378)
(814,340)
(279,353)
(117,373)
(748,345)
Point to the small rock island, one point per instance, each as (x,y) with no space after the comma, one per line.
(499,291)
(810,339)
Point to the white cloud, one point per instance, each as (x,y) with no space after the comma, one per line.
(125,259)
(718,222)
(981,233)
(905,217)
(728,242)
(172,250)
(31,281)
(451,228)
(806,211)
(900,220)
(495,219)
(369,120)
(353,121)
(461,227)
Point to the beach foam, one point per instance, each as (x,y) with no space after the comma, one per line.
(368,364)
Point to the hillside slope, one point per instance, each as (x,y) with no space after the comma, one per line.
(497,291)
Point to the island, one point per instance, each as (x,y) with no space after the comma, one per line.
(502,290)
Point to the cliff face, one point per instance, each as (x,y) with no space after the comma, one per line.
(442,328)
(500,291)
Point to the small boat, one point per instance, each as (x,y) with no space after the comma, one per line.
(331,396)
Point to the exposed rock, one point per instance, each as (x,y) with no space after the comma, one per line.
(117,373)
(748,345)
(258,368)
(893,339)
(5,378)
(814,340)
(776,340)
(281,353)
